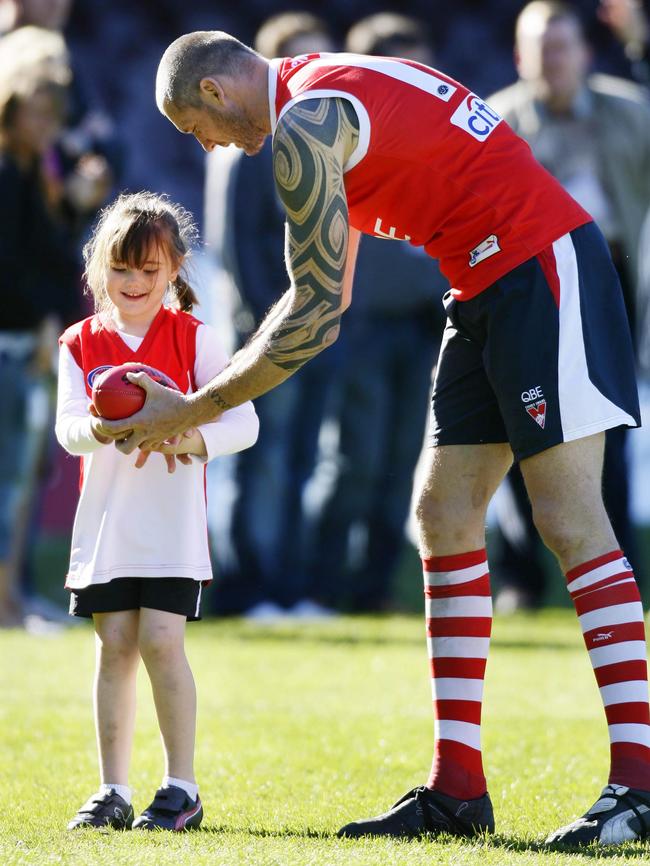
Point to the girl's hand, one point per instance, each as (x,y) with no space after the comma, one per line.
(176,448)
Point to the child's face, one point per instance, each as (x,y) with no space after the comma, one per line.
(137,293)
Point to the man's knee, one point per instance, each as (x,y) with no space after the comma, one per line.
(571,533)
(444,522)
(556,531)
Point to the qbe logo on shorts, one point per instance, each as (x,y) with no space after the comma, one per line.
(476,117)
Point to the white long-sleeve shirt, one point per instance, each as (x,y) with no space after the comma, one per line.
(143,522)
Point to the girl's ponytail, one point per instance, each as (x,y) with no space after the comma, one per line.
(185,294)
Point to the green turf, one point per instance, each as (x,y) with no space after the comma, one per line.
(302,728)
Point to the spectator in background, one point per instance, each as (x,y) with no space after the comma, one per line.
(592,132)
(38,270)
(88,156)
(643,317)
(258,551)
(390,338)
(628,21)
(76,178)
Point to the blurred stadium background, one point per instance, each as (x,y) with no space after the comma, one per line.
(115,47)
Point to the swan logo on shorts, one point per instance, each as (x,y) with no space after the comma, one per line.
(535,406)
(476,117)
(537,412)
(90,378)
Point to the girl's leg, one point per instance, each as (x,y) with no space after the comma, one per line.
(114,693)
(161,638)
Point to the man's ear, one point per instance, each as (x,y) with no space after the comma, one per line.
(212,90)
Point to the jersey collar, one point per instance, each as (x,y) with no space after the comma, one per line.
(274,67)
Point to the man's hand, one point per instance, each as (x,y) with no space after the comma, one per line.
(95,425)
(165,414)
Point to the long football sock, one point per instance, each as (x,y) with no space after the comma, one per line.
(609,608)
(459,622)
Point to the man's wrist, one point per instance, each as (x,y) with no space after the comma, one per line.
(205,405)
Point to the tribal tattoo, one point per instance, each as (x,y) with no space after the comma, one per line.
(310,145)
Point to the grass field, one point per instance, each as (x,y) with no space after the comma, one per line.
(302,728)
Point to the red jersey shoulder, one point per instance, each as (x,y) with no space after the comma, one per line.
(73,332)
(76,335)
(182,318)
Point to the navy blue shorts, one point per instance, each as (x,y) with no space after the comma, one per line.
(542,356)
(180,595)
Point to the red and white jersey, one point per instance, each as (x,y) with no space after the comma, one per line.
(434,165)
(169,345)
(141,522)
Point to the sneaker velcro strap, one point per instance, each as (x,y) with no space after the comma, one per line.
(95,804)
(168,801)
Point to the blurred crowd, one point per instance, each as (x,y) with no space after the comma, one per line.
(311,521)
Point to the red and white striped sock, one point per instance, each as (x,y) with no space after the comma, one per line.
(459,622)
(608,605)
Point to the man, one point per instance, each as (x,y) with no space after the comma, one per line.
(592,132)
(396,149)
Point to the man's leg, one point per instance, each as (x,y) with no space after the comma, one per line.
(458,486)
(459,482)
(564,485)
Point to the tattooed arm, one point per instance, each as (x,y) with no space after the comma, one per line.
(312,142)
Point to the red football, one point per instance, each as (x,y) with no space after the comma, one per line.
(115,397)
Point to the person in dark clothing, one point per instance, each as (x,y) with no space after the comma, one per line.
(38,279)
(259,545)
(391,339)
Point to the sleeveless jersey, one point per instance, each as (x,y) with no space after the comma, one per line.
(169,345)
(137,522)
(434,166)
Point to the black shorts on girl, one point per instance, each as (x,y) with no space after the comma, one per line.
(542,356)
(180,595)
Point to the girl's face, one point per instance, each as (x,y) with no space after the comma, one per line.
(137,293)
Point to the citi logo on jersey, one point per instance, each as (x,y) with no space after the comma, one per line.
(476,117)
(390,235)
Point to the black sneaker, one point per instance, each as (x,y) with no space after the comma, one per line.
(104,810)
(425,811)
(619,815)
(172,809)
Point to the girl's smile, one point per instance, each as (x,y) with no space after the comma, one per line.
(137,293)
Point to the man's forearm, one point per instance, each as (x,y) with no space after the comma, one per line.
(310,148)
(250,371)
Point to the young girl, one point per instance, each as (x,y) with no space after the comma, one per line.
(139,543)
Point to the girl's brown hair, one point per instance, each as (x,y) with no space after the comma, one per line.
(126,231)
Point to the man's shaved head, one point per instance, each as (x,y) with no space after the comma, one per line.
(192,57)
